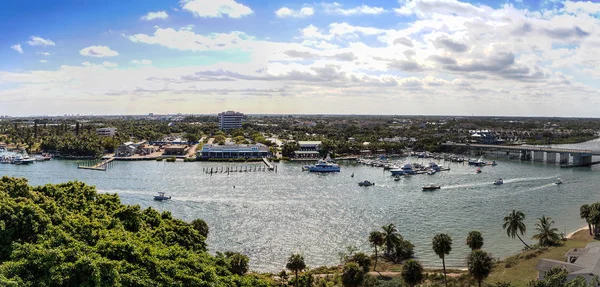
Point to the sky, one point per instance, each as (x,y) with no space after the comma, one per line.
(406,57)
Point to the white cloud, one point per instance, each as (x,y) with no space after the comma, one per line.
(39,41)
(285,12)
(43,61)
(189,27)
(98,52)
(109,64)
(336,8)
(216,8)
(17,48)
(43,53)
(582,6)
(190,41)
(87,64)
(141,62)
(155,15)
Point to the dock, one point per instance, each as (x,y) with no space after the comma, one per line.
(95,165)
(237,169)
(268,163)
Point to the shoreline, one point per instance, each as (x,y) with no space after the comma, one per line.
(570,235)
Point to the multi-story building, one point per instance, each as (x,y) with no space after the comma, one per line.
(308,149)
(230,120)
(234,151)
(106,132)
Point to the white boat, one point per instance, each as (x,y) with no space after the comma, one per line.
(558,181)
(431,172)
(366,183)
(431,187)
(434,166)
(498,181)
(397,171)
(408,169)
(323,166)
(161,196)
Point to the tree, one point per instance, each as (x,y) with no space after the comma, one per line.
(480,265)
(295,264)
(584,213)
(412,272)
(362,260)
(547,235)
(475,240)
(238,263)
(201,226)
(376,238)
(391,237)
(513,223)
(352,275)
(442,245)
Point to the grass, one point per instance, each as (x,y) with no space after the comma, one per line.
(523,270)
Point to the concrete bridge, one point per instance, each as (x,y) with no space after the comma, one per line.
(567,157)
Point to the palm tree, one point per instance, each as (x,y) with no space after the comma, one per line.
(352,275)
(295,264)
(480,265)
(412,272)
(475,240)
(442,245)
(584,213)
(513,223)
(547,235)
(377,239)
(391,237)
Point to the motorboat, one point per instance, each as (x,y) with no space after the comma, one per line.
(498,181)
(397,171)
(434,166)
(478,162)
(323,166)
(494,163)
(431,172)
(352,175)
(397,178)
(431,187)
(161,196)
(558,181)
(478,170)
(366,183)
(408,169)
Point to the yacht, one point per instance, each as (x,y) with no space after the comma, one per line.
(408,169)
(323,166)
(478,162)
(161,196)
(498,181)
(434,166)
(397,171)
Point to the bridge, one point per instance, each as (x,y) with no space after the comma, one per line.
(568,157)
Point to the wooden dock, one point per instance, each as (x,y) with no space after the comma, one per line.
(237,169)
(268,163)
(95,165)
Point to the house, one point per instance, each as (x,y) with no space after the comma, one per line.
(308,149)
(126,149)
(176,149)
(233,151)
(584,262)
(106,132)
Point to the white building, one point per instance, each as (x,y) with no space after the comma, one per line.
(584,262)
(230,120)
(106,132)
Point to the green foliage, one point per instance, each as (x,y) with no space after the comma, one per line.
(200,226)
(513,223)
(475,240)
(396,248)
(412,272)
(362,260)
(69,235)
(547,235)
(479,264)
(296,264)
(352,275)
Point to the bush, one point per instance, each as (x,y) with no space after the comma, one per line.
(189,159)
(510,262)
(171,159)
(159,159)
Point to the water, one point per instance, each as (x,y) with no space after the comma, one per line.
(268,216)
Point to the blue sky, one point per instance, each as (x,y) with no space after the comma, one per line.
(391,57)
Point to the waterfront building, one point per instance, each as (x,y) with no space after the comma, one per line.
(230,120)
(176,149)
(106,132)
(308,149)
(584,262)
(233,151)
(130,148)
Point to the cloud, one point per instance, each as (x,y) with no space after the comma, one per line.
(43,53)
(336,8)
(86,64)
(285,12)
(404,41)
(155,15)
(17,48)
(587,7)
(43,61)
(444,7)
(190,41)
(38,41)
(450,44)
(216,8)
(98,52)
(141,62)
(109,64)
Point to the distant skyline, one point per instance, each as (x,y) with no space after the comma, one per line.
(406,57)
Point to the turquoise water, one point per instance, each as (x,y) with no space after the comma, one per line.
(268,216)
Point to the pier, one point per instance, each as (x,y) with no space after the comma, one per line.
(237,169)
(268,163)
(566,157)
(95,165)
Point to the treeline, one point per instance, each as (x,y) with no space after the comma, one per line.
(70,235)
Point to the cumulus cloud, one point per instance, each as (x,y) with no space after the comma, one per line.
(39,41)
(336,8)
(216,8)
(109,64)
(190,41)
(285,12)
(155,15)
(450,44)
(43,61)
(17,48)
(141,62)
(98,52)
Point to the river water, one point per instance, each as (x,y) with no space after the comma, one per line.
(270,215)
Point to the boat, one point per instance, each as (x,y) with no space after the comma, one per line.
(323,166)
(408,169)
(397,178)
(498,181)
(431,172)
(397,171)
(558,181)
(161,196)
(352,175)
(366,183)
(478,170)
(494,163)
(431,187)
(434,166)
(478,162)
(25,159)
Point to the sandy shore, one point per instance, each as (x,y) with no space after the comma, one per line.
(585,227)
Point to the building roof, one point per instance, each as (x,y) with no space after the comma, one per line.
(306,152)
(234,148)
(587,262)
(176,146)
(309,143)
(547,264)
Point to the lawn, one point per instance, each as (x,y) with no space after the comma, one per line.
(524,270)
